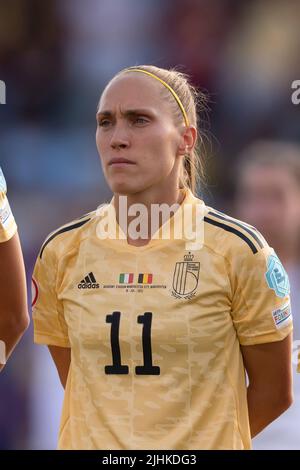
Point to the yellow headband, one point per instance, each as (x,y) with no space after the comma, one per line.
(186,120)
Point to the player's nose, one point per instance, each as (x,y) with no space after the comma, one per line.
(120,137)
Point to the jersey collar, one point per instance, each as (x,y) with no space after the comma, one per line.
(186,224)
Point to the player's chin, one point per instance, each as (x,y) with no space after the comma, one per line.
(123,186)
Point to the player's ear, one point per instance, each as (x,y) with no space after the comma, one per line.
(188,140)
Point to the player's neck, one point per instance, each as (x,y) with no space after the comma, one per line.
(147,199)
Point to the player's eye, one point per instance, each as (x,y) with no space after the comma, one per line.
(104,122)
(140,120)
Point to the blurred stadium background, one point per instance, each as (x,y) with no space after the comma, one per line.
(55,57)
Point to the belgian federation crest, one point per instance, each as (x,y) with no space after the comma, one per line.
(186,277)
(277,277)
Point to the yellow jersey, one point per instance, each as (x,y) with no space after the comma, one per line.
(8,225)
(155,331)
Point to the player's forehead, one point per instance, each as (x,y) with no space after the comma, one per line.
(132,91)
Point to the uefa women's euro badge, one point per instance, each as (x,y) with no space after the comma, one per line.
(2,182)
(277,277)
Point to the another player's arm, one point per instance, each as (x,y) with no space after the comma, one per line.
(270,381)
(14,318)
(62,359)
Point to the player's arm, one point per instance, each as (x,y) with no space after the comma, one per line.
(62,359)
(50,326)
(14,318)
(269,369)
(262,318)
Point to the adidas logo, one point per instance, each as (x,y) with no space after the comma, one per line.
(89,282)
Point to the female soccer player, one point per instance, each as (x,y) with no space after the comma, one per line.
(14,317)
(152,325)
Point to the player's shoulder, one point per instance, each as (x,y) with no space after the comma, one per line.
(68,236)
(227,234)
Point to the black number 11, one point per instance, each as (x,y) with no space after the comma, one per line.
(117,368)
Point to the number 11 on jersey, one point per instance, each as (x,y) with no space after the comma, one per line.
(117,368)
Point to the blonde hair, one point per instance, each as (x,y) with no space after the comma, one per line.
(192,173)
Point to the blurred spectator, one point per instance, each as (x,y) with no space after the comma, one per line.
(268,197)
(31,58)
(260,60)
(197,33)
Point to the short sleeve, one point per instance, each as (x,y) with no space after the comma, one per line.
(49,323)
(8,225)
(261,310)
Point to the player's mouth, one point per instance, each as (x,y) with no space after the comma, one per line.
(119,161)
